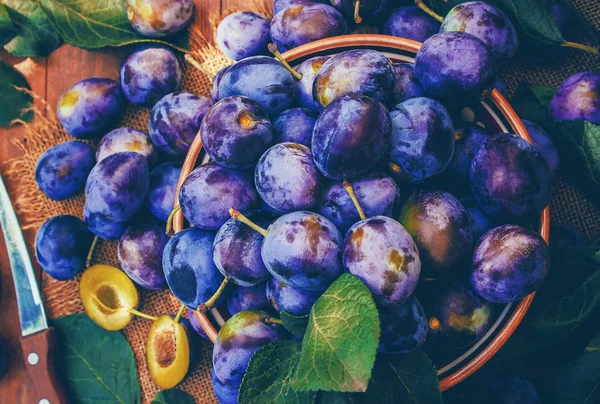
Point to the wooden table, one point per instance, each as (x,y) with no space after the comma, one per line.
(49,77)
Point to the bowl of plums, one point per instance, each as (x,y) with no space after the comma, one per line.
(345,197)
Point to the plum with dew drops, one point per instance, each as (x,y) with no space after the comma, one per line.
(308,70)
(295,125)
(210,190)
(578,97)
(62,170)
(292,300)
(167,352)
(243,298)
(127,139)
(350,136)
(62,244)
(410,22)
(236,132)
(381,253)
(162,189)
(159,18)
(241,336)
(403,327)
(243,34)
(90,107)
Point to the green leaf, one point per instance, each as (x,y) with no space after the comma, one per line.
(98,365)
(174,396)
(579,381)
(92,24)
(336,397)
(13,102)
(35,35)
(268,375)
(340,344)
(294,324)
(528,105)
(543,94)
(7,29)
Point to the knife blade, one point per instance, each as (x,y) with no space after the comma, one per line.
(31,309)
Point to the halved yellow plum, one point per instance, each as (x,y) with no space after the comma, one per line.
(108,296)
(167,352)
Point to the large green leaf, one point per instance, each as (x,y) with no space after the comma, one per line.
(528,106)
(35,35)
(8,30)
(98,365)
(174,396)
(294,324)
(92,24)
(267,379)
(13,102)
(340,344)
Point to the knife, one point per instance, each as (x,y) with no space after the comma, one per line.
(37,340)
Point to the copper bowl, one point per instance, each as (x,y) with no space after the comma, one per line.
(495,111)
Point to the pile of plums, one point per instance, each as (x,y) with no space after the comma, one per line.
(348,163)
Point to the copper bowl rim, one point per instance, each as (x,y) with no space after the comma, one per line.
(372,40)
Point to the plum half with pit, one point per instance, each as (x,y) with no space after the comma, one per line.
(403,327)
(451,78)
(468,140)
(487,23)
(149,74)
(309,69)
(578,97)
(305,22)
(243,298)
(350,136)
(262,79)
(510,178)
(175,121)
(363,72)
(167,352)
(159,18)
(90,107)
(208,193)
(243,34)
(62,170)
(163,188)
(381,253)
(236,132)
(422,142)
(127,139)
(292,300)
(62,244)
(406,86)
(295,125)
(287,178)
(411,22)
(509,263)
(441,227)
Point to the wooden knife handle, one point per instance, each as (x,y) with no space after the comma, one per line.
(44,384)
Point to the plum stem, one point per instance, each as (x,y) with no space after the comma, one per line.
(237,215)
(583,47)
(350,190)
(273,49)
(204,307)
(143,315)
(423,6)
(190,59)
(179,313)
(273,320)
(357,17)
(169,230)
(88,260)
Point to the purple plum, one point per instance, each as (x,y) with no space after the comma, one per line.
(295,125)
(309,69)
(175,121)
(509,263)
(163,188)
(210,191)
(243,298)
(103,226)
(303,249)
(468,140)
(159,18)
(500,85)
(381,253)
(62,244)
(441,228)
(578,97)
(422,139)
(301,23)
(510,178)
(294,301)
(195,324)
(214,89)
(369,10)
(360,71)
(243,34)
(61,171)
(287,178)
(225,393)
(543,144)
(406,86)
(90,107)
(149,74)
(403,327)
(350,136)
(377,194)
(127,139)
(480,223)
(512,390)
(140,253)
(236,132)
(279,5)
(451,78)
(485,22)
(411,22)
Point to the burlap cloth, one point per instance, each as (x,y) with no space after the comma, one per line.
(569,205)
